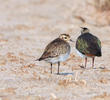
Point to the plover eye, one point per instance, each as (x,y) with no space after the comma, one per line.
(65,37)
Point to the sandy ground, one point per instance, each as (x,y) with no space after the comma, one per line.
(26,27)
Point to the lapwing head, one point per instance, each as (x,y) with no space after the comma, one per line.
(84,30)
(65,37)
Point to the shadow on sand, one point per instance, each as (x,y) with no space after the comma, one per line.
(64,73)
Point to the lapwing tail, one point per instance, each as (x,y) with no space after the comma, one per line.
(99,53)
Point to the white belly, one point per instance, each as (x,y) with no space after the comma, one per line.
(61,58)
(80,54)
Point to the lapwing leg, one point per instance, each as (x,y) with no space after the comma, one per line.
(51,67)
(93,62)
(85,62)
(58,67)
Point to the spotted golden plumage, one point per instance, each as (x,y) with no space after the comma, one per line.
(57,51)
(88,45)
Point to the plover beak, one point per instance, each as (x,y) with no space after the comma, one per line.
(71,40)
(82,27)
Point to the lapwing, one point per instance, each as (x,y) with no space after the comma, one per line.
(88,45)
(57,51)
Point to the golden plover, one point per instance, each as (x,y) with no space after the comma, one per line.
(88,45)
(57,51)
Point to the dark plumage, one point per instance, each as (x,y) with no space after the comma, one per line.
(88,45)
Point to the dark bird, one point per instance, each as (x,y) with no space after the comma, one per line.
(88,45)
(57,51)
